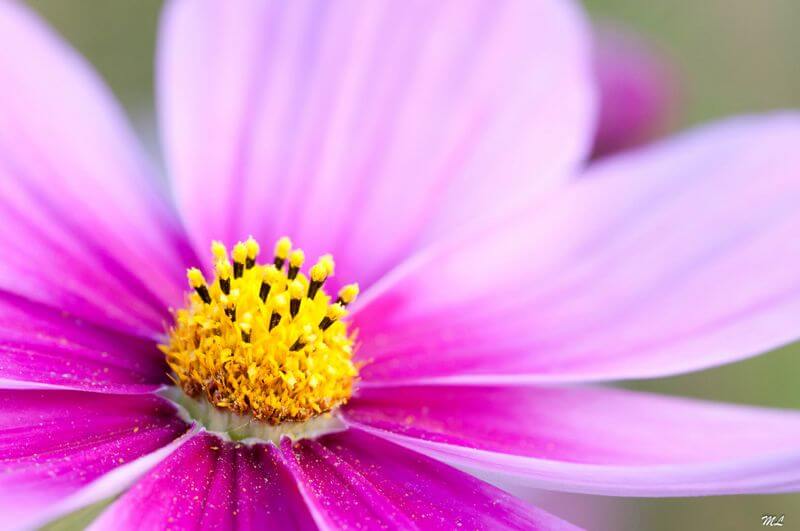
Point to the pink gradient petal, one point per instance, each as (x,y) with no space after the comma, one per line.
(85,227)
(55,443)
(355,480)
(594,440)
(670,259)
(362,129)
(211,484)
(42,346)
(638,89)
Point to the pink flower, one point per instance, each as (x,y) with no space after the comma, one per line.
(637,87)
(432,148)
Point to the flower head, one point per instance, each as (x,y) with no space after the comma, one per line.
(430,148)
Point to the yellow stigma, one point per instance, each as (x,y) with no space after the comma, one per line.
(263,341)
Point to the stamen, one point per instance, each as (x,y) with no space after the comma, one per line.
(252,252)
(261,341)
(270,277)
(280,303)
(319,273)
(246,326)
(282,249)
(296,293)
(197,281)
(347,294)
(219,251)
(335,311)
(239,258)
(296,260)
(223,269)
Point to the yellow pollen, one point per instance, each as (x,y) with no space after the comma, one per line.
(264,340)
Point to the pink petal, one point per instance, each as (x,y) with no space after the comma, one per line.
(53,444)
(211,484)
(362,129)
(638,89)
(600,441)
(40,345)
(354,480)
(671,259)
(84,226)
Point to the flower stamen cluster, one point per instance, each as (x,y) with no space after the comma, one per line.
(264,339)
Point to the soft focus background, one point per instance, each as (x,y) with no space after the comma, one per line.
(726,56)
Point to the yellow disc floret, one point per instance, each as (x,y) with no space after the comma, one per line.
(263,341)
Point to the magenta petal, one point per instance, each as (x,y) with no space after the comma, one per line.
(362,129)
(54,443)
(674,258)
(355,480)
(42,346)
(592,440)
(211,484)
(85,227)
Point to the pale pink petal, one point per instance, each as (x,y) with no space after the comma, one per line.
(355,480)
(678,257)
(55,443)
(601,441)
(43,346)
(85,227)
(211,484)
(362,128)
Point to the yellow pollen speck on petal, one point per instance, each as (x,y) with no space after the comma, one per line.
(264,341)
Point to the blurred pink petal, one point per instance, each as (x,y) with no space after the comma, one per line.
(601,441)
(41,345)
(353,479)
(675,258)
(638,90)
(361,129)
(211,484)
(85,227)
(55,443)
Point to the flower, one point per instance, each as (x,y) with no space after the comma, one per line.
(432,150)
(638,89)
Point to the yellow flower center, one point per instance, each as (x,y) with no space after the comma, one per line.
(264,340)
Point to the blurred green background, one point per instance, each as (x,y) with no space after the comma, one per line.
(733,56)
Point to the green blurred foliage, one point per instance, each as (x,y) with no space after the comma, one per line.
(734,56)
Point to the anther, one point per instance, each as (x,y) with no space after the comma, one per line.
(229,306)
(252,252)
(282,248)
(347,294)
(223,268)
(335,311)
(296,292)
(219,251)
(280,305)
(296,259)
(239,258)
(246,326)
(305,338)
(319,273)
(270,277)
(197,281)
